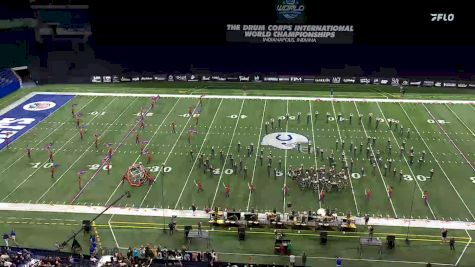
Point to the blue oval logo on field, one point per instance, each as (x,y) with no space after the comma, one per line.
(39,106)
(284,140)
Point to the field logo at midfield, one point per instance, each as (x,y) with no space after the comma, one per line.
(39,106)
(284,140)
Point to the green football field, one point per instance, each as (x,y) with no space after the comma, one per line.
(443,132)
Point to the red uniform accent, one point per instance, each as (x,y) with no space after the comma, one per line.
(252,188)
(200,186)
(426,197)
(142,124)
(50,155)
(149,157)
(322,197)
(227,191)
(137,138)
(110,152)
(81,133)
(286,190)
(390,191)
(108,168)
(28,152)
(369,194)
(78,121)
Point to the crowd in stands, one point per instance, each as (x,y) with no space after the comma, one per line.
(146,255)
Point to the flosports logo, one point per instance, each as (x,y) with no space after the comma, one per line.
(39,106)
(290,9)
(284,140)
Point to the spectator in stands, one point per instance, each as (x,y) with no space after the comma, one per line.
(13,236)
(5,238)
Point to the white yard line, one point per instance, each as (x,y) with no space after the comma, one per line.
(450,139)
(405,159)
(201,214)
(437,161)
(146,145)
(198,154)
(466,246)
(67,142)
(227,153)
(42,140)
(285,156)
(85,151)
(257,153)
(468,128)
(166,159)
(377,164)
(346,163)
(315,151)
(248,97)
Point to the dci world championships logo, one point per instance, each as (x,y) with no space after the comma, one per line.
(290,10)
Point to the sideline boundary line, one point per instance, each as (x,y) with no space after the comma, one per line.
(261,97)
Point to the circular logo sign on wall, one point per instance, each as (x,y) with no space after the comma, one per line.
(39,106)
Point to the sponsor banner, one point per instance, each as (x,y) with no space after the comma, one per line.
(296,79)
(232,79)
(115,79)
(96,79)
(106,79)
(244,78)
(284,79)
(136,79)
(218,78)
(180,77)
(395,81)
(384,81)
(205,78)
(438,84)
(271,79)
(405,83)
(125,79)
(193,78)
(336,80)
(159,77)
(349,80)
(170,78)
(449,84)
(472,85)
(257,78)
(146,78)
(428,83)
(415,83)
(26,115)
(462,85)
(322,80)
(364,80)
(375,80)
